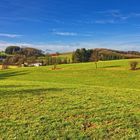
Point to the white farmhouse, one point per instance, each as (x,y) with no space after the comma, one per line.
(35,64)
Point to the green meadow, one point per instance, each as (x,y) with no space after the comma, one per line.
(74,102)
(68,55)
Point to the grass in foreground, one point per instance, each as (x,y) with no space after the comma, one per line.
(75,102)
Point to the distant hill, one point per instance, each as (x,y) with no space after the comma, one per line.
(109,54)
(114,54)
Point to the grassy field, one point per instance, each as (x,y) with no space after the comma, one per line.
(74,102)
(65,55)
(68,55)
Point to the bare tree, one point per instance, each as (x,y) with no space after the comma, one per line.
(95,57)
(54,63)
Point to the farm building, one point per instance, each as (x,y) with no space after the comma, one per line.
(31,65)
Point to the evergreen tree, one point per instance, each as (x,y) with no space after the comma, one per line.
(76,57)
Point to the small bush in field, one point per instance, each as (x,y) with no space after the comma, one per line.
(133,65)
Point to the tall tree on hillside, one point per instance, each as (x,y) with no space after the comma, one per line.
(95,57)
(83,55)
(89,53)
(77,57)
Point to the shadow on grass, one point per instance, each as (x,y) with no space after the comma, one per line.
(14,86)
(31,91)
(135,69)
(42,91)
(115,66)
(5,75)
(138,68)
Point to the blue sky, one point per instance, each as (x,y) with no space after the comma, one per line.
(64,25)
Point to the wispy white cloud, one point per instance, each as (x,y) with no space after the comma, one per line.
(110,21)
(137,26)
(65,33)
(10,35)
(29,19)
(135,15)
(48,47)
(72,34)
(65,47)
(115,16)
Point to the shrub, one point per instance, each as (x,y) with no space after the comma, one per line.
(133,65)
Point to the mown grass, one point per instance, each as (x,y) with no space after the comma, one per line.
(76,101)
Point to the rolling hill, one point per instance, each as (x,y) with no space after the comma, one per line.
(109,54)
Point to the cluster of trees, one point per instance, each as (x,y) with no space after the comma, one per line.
(82,55)
(18,56)
(15,60)
(49,60)
(15,55)
(87,55)
(112,56)
(12,50)
(19,59)
(27,51)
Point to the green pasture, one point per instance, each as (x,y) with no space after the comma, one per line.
(74,102)
(68,55)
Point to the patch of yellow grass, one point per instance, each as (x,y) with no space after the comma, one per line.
(9,67)
(116,68)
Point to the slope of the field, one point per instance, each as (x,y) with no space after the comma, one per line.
(74,102)
(68,55)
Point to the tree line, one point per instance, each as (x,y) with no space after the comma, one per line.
(27,51)
(89,55)
(15,55)
(46,60)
